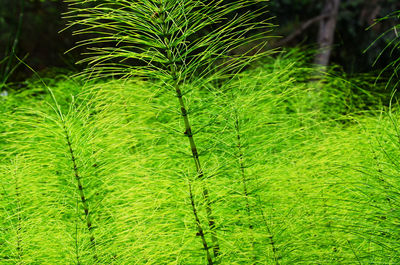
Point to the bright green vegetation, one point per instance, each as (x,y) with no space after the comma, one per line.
(178,151)
(105,175)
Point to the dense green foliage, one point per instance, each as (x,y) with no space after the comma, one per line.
(173,149)
(299,186)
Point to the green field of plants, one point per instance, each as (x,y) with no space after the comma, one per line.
(166,150)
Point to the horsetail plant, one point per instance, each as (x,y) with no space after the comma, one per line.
(66,130)
(66,174)
(178,42)
(237,120)
(12,203)
(262,155)
(242,166)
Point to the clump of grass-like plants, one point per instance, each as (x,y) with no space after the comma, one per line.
(179,43)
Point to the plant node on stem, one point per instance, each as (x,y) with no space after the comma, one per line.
(85,205)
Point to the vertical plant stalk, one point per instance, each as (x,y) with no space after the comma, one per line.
(188,132)
(244,179)
(270,235)
(179,41)
(78,262)
(199,228)
(19,248)
(199,170)
(246,192)
(241,165)
(81,193)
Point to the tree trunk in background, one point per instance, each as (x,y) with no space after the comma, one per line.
(326,32)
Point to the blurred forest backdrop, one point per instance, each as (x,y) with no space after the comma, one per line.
(31,30)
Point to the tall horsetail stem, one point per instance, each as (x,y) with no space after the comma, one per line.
(195,154)
(175,41)
(244,180)
(246,192)
(199,228)
(81,193)
(200,173)
(270,235)
(241,164)
(20,250)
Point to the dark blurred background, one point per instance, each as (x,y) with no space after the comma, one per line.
(31,30)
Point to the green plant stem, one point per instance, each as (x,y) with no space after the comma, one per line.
(199,228)
(270,235)
(245,189)
(81,194)
(199,169)
(244,180)
(241,165)
(246,192)
(20,250)
(189,134)
(76,235)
